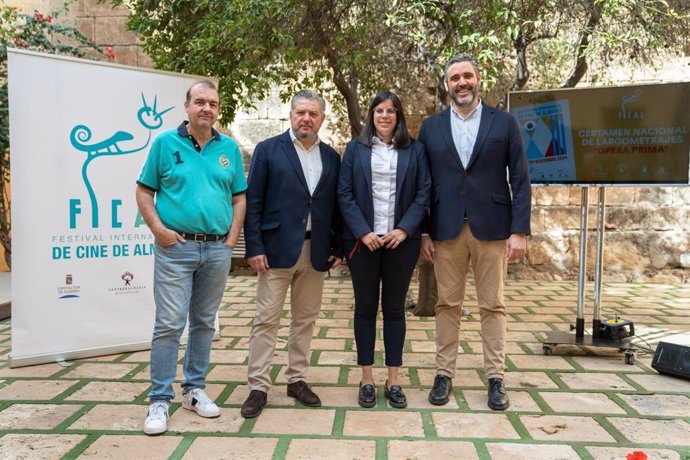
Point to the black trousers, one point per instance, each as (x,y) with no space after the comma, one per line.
(386,272)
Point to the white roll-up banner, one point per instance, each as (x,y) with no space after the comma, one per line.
(82,264)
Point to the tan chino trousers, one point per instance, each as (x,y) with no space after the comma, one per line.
(452,261)
(306,290)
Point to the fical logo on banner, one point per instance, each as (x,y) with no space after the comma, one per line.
(92,245)
(149,117)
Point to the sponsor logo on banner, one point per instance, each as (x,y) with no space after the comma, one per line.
(69,290)
(127,286)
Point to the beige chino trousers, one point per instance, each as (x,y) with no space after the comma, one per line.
(452,261)
(306,290)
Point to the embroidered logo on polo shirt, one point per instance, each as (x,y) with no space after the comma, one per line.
(224,162)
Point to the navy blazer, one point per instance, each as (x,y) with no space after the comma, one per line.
(412,190)
(279,203)
(494,192)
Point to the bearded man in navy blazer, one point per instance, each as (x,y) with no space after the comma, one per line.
(479,216)
(292,236)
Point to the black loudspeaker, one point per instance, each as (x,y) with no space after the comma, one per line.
(672,359)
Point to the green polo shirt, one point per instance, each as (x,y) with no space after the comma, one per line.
(194,186)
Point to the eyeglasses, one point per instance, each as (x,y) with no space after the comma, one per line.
(390,112)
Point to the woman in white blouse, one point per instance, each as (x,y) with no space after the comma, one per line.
(383,193)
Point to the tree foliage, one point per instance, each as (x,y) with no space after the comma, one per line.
(562,37)
(37,32)
(351,48)
(344,48)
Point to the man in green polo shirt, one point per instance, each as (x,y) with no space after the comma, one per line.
(196,176)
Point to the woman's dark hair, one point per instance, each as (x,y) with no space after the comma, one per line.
(401,136)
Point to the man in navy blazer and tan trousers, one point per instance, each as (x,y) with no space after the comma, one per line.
(292,236)
(479,216)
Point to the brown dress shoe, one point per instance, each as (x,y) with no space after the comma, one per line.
(254,404)
(300,391)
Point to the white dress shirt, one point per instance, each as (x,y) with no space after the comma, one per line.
(310,159)
(464,131)
(384,164)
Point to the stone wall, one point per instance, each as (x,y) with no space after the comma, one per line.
(647,234)
(100,22)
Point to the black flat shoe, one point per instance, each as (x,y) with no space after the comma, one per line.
(367,395)
(395,396)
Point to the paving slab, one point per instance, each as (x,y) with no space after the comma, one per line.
(531,451)
(595,381)
(618,453)
(239,448)
(394,424)
(131,446)
(581,402)
(329,449)
(645,431)
(658,405)
(34,390)
(110,391)
(463,425)
(38,446)
(307,421)
(99,370)
(36,416)
(113,417)
(520,401)
(450,450)
(565,428)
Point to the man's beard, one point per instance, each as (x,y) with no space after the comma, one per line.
(305,135)
(469,99)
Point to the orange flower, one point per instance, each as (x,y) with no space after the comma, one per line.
(637,455)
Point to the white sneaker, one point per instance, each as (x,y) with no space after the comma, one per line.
(157,418)
(197,400)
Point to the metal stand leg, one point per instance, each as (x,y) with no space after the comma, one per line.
(598,262)
(582,269)
(597,339)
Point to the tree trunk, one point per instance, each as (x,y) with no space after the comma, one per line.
(428,292)
(348,88)
(522,72)
(581,61)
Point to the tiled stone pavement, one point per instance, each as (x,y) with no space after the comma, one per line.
(577,403)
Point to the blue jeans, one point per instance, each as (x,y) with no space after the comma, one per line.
(188,282)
